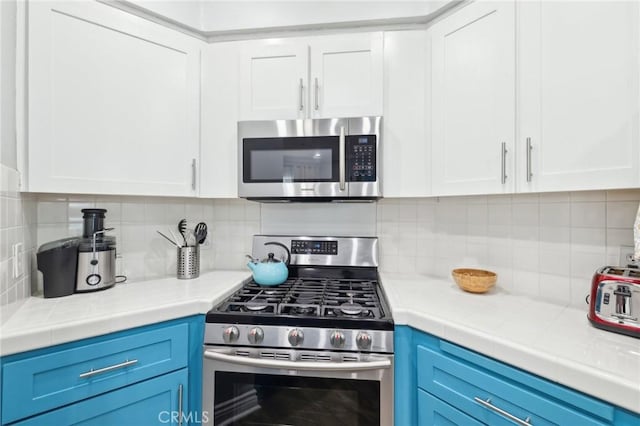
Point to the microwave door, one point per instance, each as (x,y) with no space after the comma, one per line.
(288,163)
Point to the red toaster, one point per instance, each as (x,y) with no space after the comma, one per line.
(614,304)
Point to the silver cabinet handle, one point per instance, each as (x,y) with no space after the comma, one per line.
(299,365)
(301,105)
(317,106)
(529,148)
(193,174)
(93,372)
(180,405)
(487,404)
(342,160)
(503,163)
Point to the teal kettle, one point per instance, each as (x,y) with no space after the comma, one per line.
(270,271)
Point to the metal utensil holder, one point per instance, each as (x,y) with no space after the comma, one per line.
(188,262)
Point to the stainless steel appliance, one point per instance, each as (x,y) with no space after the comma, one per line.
(614,303)
(315,350)
(96,254)
(313,159)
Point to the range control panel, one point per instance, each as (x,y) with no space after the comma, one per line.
(361,152)
(314,247)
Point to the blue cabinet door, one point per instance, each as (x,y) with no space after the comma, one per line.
(153,402)
(432,411)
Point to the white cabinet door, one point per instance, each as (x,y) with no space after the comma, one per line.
(273,81)
(578,82)
(406,153)
(113,102)
(346,76)
(473,100)
(219,120)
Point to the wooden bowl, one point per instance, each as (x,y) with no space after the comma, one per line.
(474,280)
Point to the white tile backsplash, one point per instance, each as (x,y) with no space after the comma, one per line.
(17,226)
(541,245)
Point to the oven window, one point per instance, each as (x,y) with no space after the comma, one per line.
(260,399)
(296,159)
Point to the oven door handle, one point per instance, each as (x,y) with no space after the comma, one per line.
(299,365)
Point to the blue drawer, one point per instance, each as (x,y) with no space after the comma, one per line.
(153,402)
(42,382)
(432,411)
(458,382)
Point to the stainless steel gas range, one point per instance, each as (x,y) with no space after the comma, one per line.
(315,350)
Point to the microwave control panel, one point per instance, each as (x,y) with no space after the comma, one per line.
(361,158)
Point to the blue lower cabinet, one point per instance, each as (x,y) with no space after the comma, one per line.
(157,401)
(139,376)
(438,382)
(432,411)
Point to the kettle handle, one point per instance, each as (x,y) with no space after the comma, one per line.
(275,243)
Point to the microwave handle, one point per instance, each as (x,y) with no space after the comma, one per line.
(342,160)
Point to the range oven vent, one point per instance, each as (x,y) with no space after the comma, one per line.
(275,355)
(347,358)
(242,353)
(315,357)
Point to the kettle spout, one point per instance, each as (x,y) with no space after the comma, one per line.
(251,265)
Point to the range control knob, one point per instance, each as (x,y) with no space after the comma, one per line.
(337,339)
(255,336)
(231,334)
(296,337)
(363,340)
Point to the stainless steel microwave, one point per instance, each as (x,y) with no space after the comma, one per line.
(310,160)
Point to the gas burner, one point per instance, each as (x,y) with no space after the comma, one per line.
(302,310)
(351,308)
(256,305)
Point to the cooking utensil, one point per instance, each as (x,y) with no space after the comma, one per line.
(182,228)
(200,232)
(168,239)
(270,271)
(175,238)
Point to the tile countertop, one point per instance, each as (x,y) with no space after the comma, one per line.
(37,322)
(555,342)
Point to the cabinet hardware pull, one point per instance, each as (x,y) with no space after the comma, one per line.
(529,148)
(179,405)
(93,372)
(503,163)
(193,174)
(317,106)
(342,160)
(487,404)
(301,106)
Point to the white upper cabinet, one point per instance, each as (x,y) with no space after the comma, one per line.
(578,84)
(473,100)
(274,81)
(219,118)
(316,77)
(406,151)
(346,76)
(113,103)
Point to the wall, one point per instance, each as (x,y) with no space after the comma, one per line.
(142,253)
(17,212)
(17,226)
(541,245)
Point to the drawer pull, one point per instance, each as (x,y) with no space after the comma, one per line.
(93,372)
(487,404)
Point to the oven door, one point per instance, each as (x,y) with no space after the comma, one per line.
(246,390)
